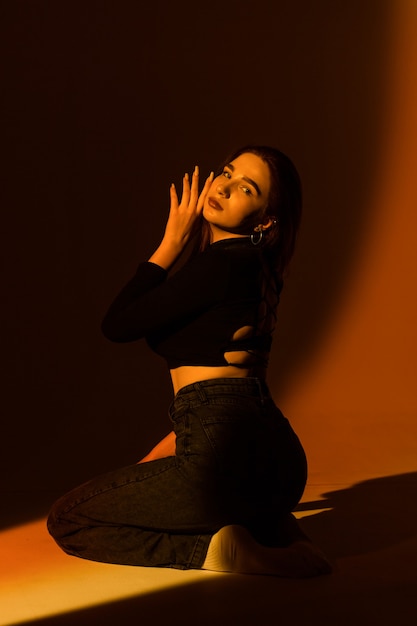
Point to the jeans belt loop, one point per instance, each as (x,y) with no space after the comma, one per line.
(261,391)
(201,393)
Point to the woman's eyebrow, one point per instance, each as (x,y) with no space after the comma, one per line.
(248,180)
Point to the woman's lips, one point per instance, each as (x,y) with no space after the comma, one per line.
(214,204)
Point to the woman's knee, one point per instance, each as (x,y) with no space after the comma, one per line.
(53,522)
(58,522)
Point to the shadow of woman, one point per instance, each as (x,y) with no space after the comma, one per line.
(369,516)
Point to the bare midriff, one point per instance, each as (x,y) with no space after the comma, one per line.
(188,374)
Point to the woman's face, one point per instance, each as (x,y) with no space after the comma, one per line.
(238,197)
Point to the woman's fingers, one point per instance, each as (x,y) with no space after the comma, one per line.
(191,200)
(186,192)
(184,214)
(194,187)
(190,192)
(204,192)
(173,196)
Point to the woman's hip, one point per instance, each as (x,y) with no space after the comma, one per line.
(233,427)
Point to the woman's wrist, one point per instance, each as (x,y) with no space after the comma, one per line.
(166,254)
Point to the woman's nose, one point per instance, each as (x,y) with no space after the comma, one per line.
(223,189)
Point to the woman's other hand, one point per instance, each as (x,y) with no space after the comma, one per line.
(183,219)
(163,449)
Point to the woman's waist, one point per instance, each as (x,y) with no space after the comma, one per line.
(217,387)
(187,375)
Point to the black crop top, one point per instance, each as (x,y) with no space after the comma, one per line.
(191,317)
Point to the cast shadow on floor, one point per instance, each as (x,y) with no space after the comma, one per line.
(368,517)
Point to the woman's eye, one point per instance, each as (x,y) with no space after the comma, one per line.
(247,191)
(226,174)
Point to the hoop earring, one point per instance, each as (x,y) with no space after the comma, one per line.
(257,241)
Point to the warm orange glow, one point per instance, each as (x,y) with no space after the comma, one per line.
(355,406)
(40,580)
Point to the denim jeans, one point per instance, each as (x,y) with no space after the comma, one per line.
(237,461)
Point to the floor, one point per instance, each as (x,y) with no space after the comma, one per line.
(368,529)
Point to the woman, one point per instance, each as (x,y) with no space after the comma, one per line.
(218,491)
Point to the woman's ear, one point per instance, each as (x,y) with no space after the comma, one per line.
(270,220)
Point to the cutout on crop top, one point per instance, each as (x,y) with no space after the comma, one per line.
(242,358)
(259,336)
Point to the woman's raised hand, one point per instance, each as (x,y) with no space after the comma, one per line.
(183,218)
(184,215)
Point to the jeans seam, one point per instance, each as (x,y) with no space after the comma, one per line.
(112,487)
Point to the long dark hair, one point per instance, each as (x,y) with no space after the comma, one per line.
(284,206)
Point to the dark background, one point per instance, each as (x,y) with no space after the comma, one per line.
(106,104)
